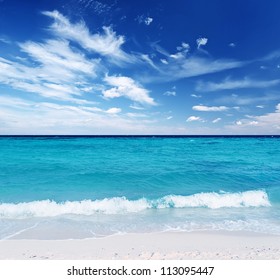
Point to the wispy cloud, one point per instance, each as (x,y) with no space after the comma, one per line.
(107,44)
(247,99)
(194,119)
(136,107)
(114,110)
(196,95)
(268,123)
(51,70)
(5,40)
(28,117)
(127,87)
(97,6)
(235,84)
(210,108)
(193,66)
(147,20)
(201,42)
(216,120)
(170,93)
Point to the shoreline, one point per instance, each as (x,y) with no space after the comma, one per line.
(202,245)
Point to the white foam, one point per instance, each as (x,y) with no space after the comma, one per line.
(121,205)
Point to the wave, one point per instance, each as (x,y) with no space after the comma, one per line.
(122,205)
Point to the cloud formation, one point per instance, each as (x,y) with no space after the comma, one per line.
(107,44)
(127,87)
(235,84)
(193,119)
(210,108)
(216,120)
(201,42)
(170,93)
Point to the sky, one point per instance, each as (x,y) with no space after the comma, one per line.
(182,67)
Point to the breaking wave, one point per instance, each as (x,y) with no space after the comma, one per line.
(122,205)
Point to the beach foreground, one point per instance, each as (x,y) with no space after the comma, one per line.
(158,246)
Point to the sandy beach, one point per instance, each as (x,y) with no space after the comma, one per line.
(158,246)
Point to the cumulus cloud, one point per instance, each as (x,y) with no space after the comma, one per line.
(127,87)
(182,51)
(193,119)
(148,20)
(201,42)
(232,45)
(210,109)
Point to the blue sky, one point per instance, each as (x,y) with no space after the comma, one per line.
(139,67)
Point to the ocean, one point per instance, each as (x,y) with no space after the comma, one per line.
(62,187)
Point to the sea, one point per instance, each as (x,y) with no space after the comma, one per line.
(76,187)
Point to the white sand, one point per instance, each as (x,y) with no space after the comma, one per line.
(168,245)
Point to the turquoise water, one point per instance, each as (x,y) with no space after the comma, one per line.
(77,187)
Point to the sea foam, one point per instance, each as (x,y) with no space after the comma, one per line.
(122,205)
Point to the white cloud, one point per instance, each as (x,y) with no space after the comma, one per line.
(195,66)
(196,96)
(260,106)
(232,45)
(169,118)
(148,20)
(5,40)
(136,107)
(19,116)
(268,123)
(183,64)
(234,84)
(193,119)
(247,99)
(58,54)
(170,93)
(127,87)
(201,42)
(147,59)
(210,109)
(114,110)
(107,44)
(183,51)
(164,61)
(216,120)
(51,70)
